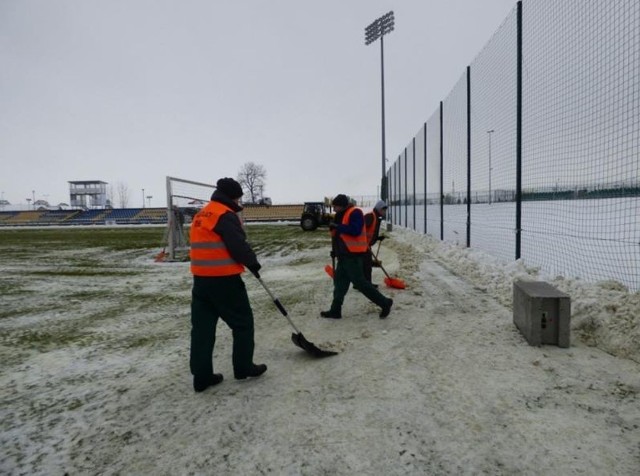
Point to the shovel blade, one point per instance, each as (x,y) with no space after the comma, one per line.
(329,270)
(395,283)
(300,341)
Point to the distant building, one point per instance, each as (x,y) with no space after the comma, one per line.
(88,194)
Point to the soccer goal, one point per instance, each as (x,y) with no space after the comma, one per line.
(184,199)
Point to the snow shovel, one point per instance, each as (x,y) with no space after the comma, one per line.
(331,269)
(389,281)
(392,282)
(297,337)
(160,256)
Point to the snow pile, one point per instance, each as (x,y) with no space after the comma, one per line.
(604,314)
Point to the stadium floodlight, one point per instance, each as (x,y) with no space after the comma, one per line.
(380,27)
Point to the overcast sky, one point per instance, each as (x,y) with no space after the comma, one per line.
(130,91)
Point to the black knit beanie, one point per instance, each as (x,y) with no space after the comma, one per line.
(341,200)
(230,188)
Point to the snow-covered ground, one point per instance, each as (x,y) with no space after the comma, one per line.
(445,385)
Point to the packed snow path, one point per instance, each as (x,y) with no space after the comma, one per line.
(445,385)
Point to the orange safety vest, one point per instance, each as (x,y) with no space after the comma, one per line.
(354,244)
(371,229)
(209,255)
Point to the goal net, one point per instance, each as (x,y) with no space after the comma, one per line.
(184,199)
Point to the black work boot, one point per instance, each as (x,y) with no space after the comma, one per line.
(386,308)
(331,314)
(200,383)
(255,371)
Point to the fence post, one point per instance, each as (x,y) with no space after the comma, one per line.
(468,156)
(415,228)
(425,178)
(441,173)
(406,191)
(519,137)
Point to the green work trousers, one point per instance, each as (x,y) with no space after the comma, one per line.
(349,271)
(222,297)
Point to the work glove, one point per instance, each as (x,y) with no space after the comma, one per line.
(380,238)
(254,268)
(332,254)
(376,263)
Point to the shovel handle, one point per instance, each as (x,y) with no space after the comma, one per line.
(278,304)
(276,301)
(378,249)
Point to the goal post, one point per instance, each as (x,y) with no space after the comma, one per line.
(184,199)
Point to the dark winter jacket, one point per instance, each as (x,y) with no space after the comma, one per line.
(368,222)
(230,230)
(353,228)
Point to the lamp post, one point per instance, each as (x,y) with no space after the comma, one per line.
(143,198)
(149,197)
(33,196)
(377,29)
(489,132)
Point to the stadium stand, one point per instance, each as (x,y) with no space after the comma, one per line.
(152,215)
(56,217)
(272,212)
(6,215)
(23,218)
(135,216)
(89,217)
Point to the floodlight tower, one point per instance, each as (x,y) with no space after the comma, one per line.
(375,30)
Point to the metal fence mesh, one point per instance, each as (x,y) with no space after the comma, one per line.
(564,193)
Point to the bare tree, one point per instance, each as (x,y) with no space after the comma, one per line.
(123,195)
(251,177)
(110,195)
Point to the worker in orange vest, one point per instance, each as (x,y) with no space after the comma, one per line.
(372,222)
(349,245)
(219,254)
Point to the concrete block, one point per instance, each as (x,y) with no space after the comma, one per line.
(542,313)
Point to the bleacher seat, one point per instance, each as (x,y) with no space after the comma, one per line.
(136,216)
(24,218)
(272,212)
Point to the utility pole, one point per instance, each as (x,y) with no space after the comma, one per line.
(377,29)
(143,198)
(490,132)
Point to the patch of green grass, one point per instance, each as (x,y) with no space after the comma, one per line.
(44,340)
(142,301)
(86,295)
(48,240)
(139,341)
(12,289)
(74,404)
(82,272)
(268,240)
(41,308)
